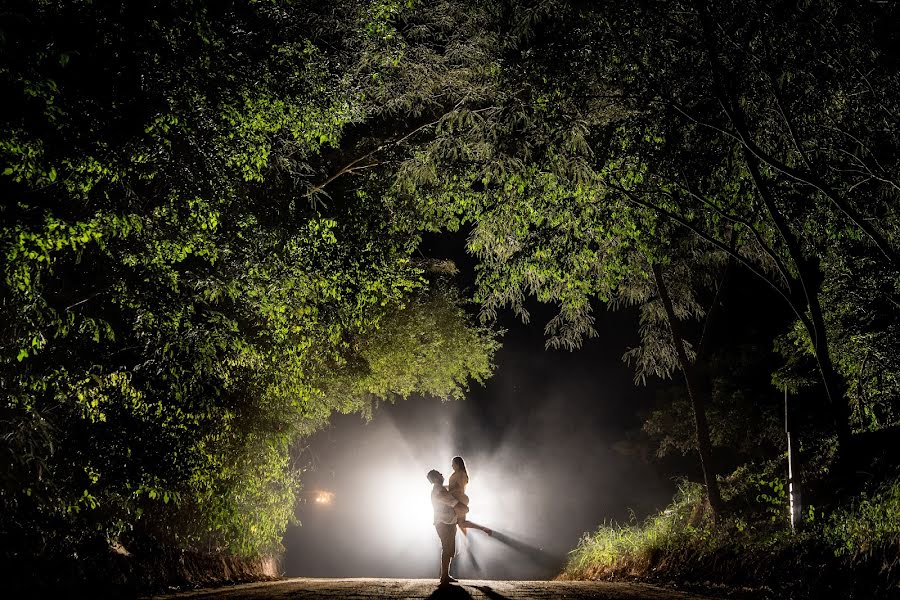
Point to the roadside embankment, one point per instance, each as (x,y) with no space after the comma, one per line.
(118,573)
(853,552)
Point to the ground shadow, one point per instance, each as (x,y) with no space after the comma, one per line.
(537,555)
(450,592)
(490,593)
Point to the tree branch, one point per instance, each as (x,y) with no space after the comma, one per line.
(354,165)
(782,268)
(633,199)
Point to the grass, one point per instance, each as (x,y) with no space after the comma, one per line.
(631,547)
(854,551)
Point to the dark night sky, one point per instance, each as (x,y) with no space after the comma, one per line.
(543,444)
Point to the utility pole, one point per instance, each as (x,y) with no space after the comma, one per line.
(793,466)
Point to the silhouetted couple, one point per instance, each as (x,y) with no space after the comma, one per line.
(450,508)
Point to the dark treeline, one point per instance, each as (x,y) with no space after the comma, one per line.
(211,213)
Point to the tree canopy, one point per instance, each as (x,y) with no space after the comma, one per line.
(212,213)
(183,295)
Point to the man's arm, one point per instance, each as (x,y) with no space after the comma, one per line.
(445,497)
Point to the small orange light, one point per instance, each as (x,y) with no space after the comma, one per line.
(324,497)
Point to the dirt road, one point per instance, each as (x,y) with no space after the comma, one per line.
(427,589)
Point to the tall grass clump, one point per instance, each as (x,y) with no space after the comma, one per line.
(632,548)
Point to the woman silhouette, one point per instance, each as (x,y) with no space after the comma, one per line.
(457,488)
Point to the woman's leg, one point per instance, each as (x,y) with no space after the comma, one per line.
(466,524)
(461,510)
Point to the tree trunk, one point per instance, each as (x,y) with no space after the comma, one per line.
(835,387)
(701,425)
(810,178)
(815,325)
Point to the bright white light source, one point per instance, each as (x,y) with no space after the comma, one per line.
(404,501)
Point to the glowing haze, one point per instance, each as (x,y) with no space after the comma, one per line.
(540,441)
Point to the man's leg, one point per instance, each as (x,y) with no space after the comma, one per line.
(446,559)
(447,534)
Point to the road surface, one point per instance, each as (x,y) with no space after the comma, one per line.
(426,589)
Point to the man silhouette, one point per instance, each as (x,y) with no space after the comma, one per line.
(444,522)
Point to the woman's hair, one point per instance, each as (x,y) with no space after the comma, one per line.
(434,476)
(459,463)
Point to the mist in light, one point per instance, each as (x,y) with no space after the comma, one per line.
(379,521)
(541,445)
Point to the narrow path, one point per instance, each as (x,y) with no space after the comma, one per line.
(427,589)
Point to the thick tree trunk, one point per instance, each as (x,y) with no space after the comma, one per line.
(701,425)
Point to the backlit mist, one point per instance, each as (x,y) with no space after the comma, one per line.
(542,442)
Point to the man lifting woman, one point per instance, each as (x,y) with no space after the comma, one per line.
(451,505)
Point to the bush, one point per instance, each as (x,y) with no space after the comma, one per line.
(869,529)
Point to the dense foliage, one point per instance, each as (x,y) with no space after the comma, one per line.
(179,305)
(212,210)
(639,152)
